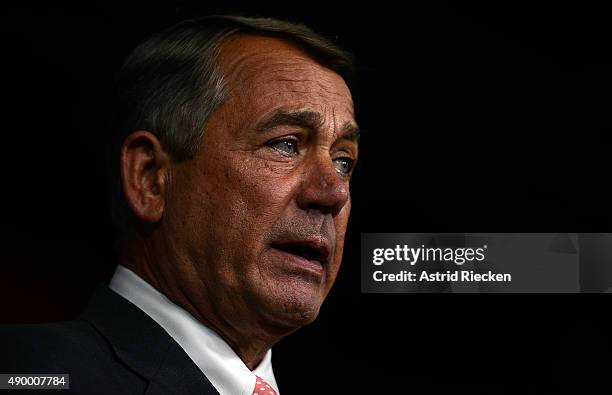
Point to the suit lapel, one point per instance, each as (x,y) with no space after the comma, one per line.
(144,346)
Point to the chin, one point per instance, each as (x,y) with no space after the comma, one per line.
(295,311)
(303,316)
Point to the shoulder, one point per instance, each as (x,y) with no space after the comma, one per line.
(47,345)
(69,347)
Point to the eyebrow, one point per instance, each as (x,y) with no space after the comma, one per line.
(306,119)
(351,131)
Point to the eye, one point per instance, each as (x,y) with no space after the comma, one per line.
(344,165)
(286,146)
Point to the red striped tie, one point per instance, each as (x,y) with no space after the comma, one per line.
(263,388)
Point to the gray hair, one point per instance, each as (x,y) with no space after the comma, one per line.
(170,85)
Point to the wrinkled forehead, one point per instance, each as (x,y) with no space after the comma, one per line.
(268,73)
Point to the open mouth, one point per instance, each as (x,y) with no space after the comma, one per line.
(309,251)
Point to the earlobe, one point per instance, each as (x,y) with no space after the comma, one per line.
(144,173)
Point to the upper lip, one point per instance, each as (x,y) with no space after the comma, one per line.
(312,248)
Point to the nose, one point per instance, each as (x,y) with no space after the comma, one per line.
(323,188)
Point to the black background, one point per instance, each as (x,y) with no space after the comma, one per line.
(480,117)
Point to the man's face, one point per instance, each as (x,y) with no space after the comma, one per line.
(260,214)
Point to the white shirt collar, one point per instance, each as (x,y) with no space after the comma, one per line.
(225,370)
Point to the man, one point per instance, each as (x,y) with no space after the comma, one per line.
(235,144)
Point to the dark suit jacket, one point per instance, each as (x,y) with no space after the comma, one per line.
(113,348)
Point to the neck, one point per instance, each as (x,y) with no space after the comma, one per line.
(247,339)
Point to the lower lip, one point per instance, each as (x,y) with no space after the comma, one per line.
(311,266)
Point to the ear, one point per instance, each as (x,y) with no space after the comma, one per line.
(145,168)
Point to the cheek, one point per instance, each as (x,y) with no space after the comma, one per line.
(241,198)
(264,189)
(340,224)
(341,221)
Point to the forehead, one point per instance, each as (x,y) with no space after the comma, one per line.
(269,72)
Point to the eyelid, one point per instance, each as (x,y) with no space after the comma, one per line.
(345,152)
(291,138)
(348,147)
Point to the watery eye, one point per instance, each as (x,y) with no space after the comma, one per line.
(285,146)
(343,165)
